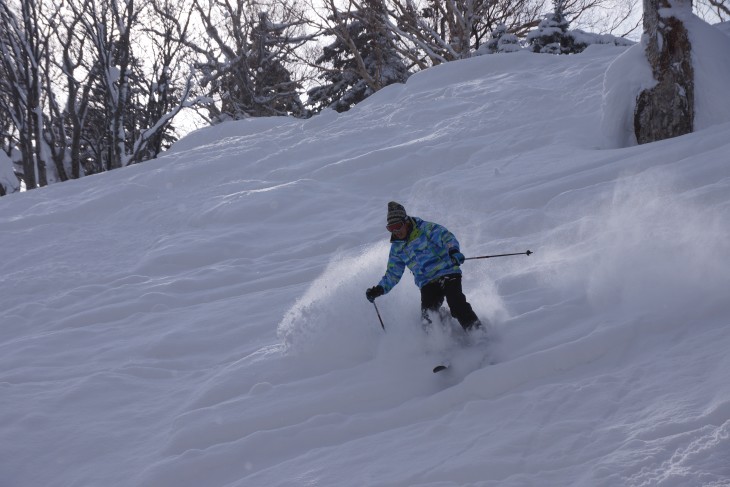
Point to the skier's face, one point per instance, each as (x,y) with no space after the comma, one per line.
(399,230)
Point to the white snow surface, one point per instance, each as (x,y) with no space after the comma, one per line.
(200,320)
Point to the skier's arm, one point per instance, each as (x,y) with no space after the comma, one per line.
(396,267)
(445,238)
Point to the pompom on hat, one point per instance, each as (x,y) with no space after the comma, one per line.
(396,213)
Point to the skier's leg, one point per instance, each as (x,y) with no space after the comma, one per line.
(460,308)
(432,297)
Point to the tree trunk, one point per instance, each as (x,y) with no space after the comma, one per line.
(26,151)
(667,109)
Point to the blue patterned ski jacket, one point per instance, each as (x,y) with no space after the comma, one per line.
(426,253)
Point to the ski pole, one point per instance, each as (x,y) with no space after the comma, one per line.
(379,318)
(529,252)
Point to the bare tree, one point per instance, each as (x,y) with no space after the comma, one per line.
(245,57)
(75,98)
(437,31)
(170,77)
(713,10)
(75,81)
(128,117)
(9,181)
(108,25)
(23,47)
(7,128)
(621,18)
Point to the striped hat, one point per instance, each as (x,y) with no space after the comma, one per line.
(396,213)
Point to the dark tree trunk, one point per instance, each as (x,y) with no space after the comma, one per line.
(667,109)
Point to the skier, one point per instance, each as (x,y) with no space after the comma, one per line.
(432,253)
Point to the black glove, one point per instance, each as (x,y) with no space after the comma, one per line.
(374,292)
(456,257)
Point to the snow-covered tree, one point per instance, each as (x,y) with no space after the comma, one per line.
(435,31)
(274,91)
(552,36)
(167,79)
(502,41)
(24,45)
(245,59)
(75,96)
(123,125)
(7,129)
(68,95)
(361,60)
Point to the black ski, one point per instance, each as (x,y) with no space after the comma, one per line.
(439,368)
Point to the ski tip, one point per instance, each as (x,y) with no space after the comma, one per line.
(439,368)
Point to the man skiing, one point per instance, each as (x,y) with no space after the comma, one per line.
(432,253)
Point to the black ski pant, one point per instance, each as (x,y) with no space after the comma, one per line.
(448,287)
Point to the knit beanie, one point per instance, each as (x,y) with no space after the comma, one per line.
(396,213)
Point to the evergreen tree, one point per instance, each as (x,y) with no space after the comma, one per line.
(273,90)
(552,36)
(362,60)
(245,64)
(502,41)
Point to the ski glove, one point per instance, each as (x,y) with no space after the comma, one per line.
(456,257)
(374,292)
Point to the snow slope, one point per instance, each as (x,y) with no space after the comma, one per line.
(200,320)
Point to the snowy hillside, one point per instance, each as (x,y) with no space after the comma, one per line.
(200,320)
